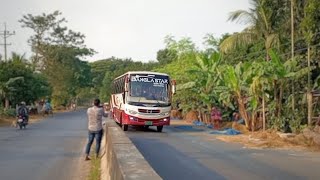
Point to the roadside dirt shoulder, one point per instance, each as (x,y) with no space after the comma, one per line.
(80,166)
(271,139)
(261,139)
(34,118)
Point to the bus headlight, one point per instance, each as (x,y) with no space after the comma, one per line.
(133,118)
(165,119)
(133,112)
(165,114)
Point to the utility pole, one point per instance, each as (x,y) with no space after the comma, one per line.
(292,50)
(5,34)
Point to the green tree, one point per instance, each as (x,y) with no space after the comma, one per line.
(211,43)
(180,47)
(165,56)
(265,20)
(7,89)
(206,77)
(19,83)
(57,54)
(236,84)
(309,29)
(41,25)
(203,85)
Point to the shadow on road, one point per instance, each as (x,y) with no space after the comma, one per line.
(142,128)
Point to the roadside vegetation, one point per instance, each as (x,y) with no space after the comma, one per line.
(56,70)
(269,72)
(95,172)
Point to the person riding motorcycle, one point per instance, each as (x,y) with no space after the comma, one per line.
(47,107)
(23,111)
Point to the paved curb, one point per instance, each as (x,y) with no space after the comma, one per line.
(121,159)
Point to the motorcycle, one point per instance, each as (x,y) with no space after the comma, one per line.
(22,122)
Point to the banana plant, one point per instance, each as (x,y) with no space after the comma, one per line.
(207,76)
(283,73)
(235,82)
(260,85)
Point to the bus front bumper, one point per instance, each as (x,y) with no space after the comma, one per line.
(131,120)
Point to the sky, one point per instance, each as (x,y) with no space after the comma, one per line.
(125,28)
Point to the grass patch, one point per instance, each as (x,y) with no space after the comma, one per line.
(95,169)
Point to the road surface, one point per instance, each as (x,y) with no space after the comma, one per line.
(196,155)
(47,150)
(51,149)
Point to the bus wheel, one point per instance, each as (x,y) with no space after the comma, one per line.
(125,127)
(159,128)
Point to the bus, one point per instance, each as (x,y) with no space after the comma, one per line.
(142,98)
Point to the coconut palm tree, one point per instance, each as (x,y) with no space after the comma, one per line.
(263,20)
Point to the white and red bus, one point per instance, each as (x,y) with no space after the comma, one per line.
(142,98)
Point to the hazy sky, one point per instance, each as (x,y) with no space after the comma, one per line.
(126,28)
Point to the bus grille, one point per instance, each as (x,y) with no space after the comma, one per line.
(149,110)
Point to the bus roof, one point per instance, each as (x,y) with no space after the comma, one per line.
(142,72)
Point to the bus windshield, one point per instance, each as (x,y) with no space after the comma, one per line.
(149,89)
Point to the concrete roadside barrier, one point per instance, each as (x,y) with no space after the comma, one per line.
(120,157)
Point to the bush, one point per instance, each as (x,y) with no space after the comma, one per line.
(9,112)
(1,110)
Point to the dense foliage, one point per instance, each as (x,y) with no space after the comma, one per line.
(19,83)
(259,71)
(57,52)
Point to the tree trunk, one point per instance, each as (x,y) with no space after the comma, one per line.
(7,103)
(280,99)
(253,118)
(207,118)
(263,114)
(200,115)
(292,51)
(309,94)
(276,98)
(243,111)
(309,99)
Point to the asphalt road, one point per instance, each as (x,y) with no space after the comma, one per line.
(51,149)
(190,154)
(48,150)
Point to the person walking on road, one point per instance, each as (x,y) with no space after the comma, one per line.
(95,114)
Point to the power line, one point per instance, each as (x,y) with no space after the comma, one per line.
(5,34)
(298,50)
(283,54)
(281,45)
